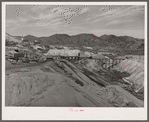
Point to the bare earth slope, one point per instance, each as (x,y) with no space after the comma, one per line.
(136,69)
(11,38)
(61,84)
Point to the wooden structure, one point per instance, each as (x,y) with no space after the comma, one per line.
(106,63)
(17,56)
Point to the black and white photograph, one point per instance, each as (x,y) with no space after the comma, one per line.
(75,56)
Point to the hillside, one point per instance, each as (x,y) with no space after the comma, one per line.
(11,40)
(119,44)
(136,69)
(112,43)
(127,44)
(34,78)
(63,84)
(30,38)
(75,40)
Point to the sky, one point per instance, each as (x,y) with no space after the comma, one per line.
(46,20)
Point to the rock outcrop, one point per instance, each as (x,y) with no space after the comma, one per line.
(136,69)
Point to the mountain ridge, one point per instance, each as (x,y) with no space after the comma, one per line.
(125,44)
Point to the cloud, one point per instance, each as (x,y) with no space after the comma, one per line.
(87,20)
(55,20)
(36,8)
(130,11)
(41,17)
(84,10)
(50,23)
(116,22)
(119,12)
(57,10)
(123,32)
(47,19)
(10,23)
(46,13)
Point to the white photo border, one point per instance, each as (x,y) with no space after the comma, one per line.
(63,113)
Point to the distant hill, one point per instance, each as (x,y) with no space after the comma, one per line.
(121,44)
(11,38)
(30,38)
(64,39)
(125,44)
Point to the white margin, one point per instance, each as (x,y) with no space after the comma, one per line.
(63,113)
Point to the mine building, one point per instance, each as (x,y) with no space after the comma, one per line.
(17,56)
(83,55)
(36,42)
(25,42)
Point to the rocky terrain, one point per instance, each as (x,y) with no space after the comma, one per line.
(117,44)
(136,69)
(62,84)
(93,80)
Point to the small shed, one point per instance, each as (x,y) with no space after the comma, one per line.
(36,42)
(49,56)
(25,42)
(82,55)
(17,56)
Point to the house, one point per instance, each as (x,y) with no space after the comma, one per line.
(25,42)
(49,56)
(36,42)
(17,56)
(83,55)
